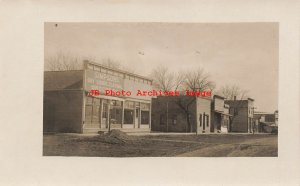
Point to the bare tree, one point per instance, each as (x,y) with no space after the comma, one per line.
(233,94)
(111,63)
(184,104)
(198,80)
(178,81)
(114,64)
(165,80)
(62,61)
(194,80)
(162,78)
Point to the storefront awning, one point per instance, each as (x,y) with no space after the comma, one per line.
(222,113)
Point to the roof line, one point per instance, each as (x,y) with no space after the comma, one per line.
(61,70)
(118,70)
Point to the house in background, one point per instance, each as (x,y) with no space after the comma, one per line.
(266,122)
(181,114)
(276,117)
(220,122)
(242,115)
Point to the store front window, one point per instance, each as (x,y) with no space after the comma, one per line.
(144,117)
(128,116)
(128,112)
(145,113)
(116,112)
(92,111)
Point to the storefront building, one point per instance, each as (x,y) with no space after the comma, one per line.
(220,115)
(241,112)
(266,122)
(69,105)
(184,114)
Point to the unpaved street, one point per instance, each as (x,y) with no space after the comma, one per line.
(119,144)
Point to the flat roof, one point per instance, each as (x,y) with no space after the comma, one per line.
(180,96)
(262,113)
(218,96)
(117,70)
(231,100)
(62,80)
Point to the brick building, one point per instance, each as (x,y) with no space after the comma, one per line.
(172,114)
(68,106)
(242,115)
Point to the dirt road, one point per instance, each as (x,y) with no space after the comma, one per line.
(253,148)
(122,145)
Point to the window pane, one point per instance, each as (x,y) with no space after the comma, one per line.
(104,112)
(128,116)
(129,104)
(144,117)
(145,106)
(116,115)
(117,103)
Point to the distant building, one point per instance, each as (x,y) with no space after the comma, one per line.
(276,117)
(242,115)
(266,122)
(220,122)
(173,113)
(69,106)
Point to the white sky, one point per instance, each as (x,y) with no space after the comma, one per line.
(245,54)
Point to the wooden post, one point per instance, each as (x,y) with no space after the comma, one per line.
(101,112)
(123,106)
(150,115)
(134,115)
(83,98)
(108,115)
(139,117)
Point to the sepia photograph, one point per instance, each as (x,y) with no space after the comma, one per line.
(159,89)
(139,93)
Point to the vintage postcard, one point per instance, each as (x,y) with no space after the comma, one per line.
(161,89)
(127,92)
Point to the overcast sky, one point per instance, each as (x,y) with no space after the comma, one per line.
(245,54)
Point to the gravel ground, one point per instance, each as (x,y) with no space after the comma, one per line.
(118,144)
